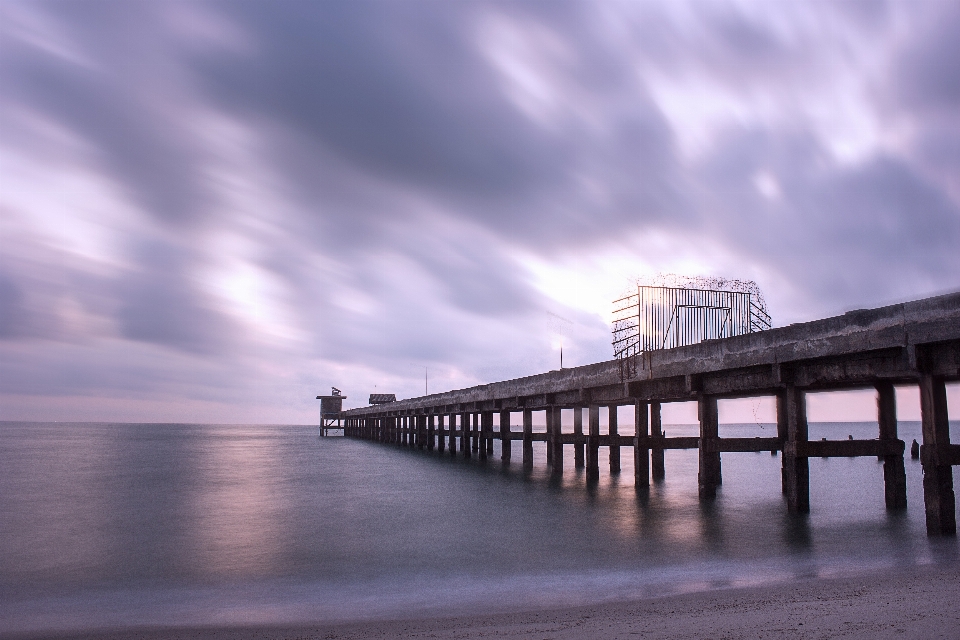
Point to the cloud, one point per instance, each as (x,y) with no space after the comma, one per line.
(231,205)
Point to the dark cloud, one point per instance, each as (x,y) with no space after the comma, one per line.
(112,104)
(927,74)
(396,90)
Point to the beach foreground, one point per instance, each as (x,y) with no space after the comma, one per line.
(914,602)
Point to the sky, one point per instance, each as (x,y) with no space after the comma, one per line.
(215,211)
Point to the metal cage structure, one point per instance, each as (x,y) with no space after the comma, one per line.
(664,317)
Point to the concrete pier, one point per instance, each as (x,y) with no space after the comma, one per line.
(915,343)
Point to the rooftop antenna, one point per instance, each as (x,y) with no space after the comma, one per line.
(425,392)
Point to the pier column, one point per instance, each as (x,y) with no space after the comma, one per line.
(578,437)
(593,442)
(710,476)
(506,444)
(441,440)
(486,422)
(614,439)
(474,432)
(658,469)
(465,434)
(527,438)
(422,432)
(894,474)
(431,432)
(555,442)
(453,434)
(641,454)
(796,468)
(938,496)
(549,442)
(489,436)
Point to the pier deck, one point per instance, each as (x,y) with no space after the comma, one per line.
(910,343)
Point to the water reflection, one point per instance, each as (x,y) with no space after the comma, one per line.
(237,504)
(161,511)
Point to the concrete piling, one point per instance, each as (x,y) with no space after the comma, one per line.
(614,443)
(593,442)
(796,465)
(527,438)
(578,440)
(641,454)
(894,473)
(709,476)
(656,455)
(506,437)
(935,454)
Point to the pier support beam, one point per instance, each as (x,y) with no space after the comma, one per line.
(938,496)
(656,455)
(506,444)
(486,426)
(894,474)
(527,438)
(431,432)
(709,476)
(641,455)
(593,442)
(578,437)
(441,434)
(613,431)
(475,432)
(465,434)
(554,438)
(453,434)
(792,409)
(489,434)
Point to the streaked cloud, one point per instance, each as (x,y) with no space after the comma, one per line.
(220,208)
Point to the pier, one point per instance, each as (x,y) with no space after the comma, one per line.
(915,343)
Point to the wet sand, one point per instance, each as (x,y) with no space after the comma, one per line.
(915,602)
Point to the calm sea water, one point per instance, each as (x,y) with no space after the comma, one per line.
(105,525)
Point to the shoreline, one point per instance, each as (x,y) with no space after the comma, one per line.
(903,602)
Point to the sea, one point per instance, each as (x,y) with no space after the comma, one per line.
(119,525)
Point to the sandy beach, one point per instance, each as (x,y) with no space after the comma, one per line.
(918,602)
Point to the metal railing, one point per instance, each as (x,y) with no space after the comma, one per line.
(667,317)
